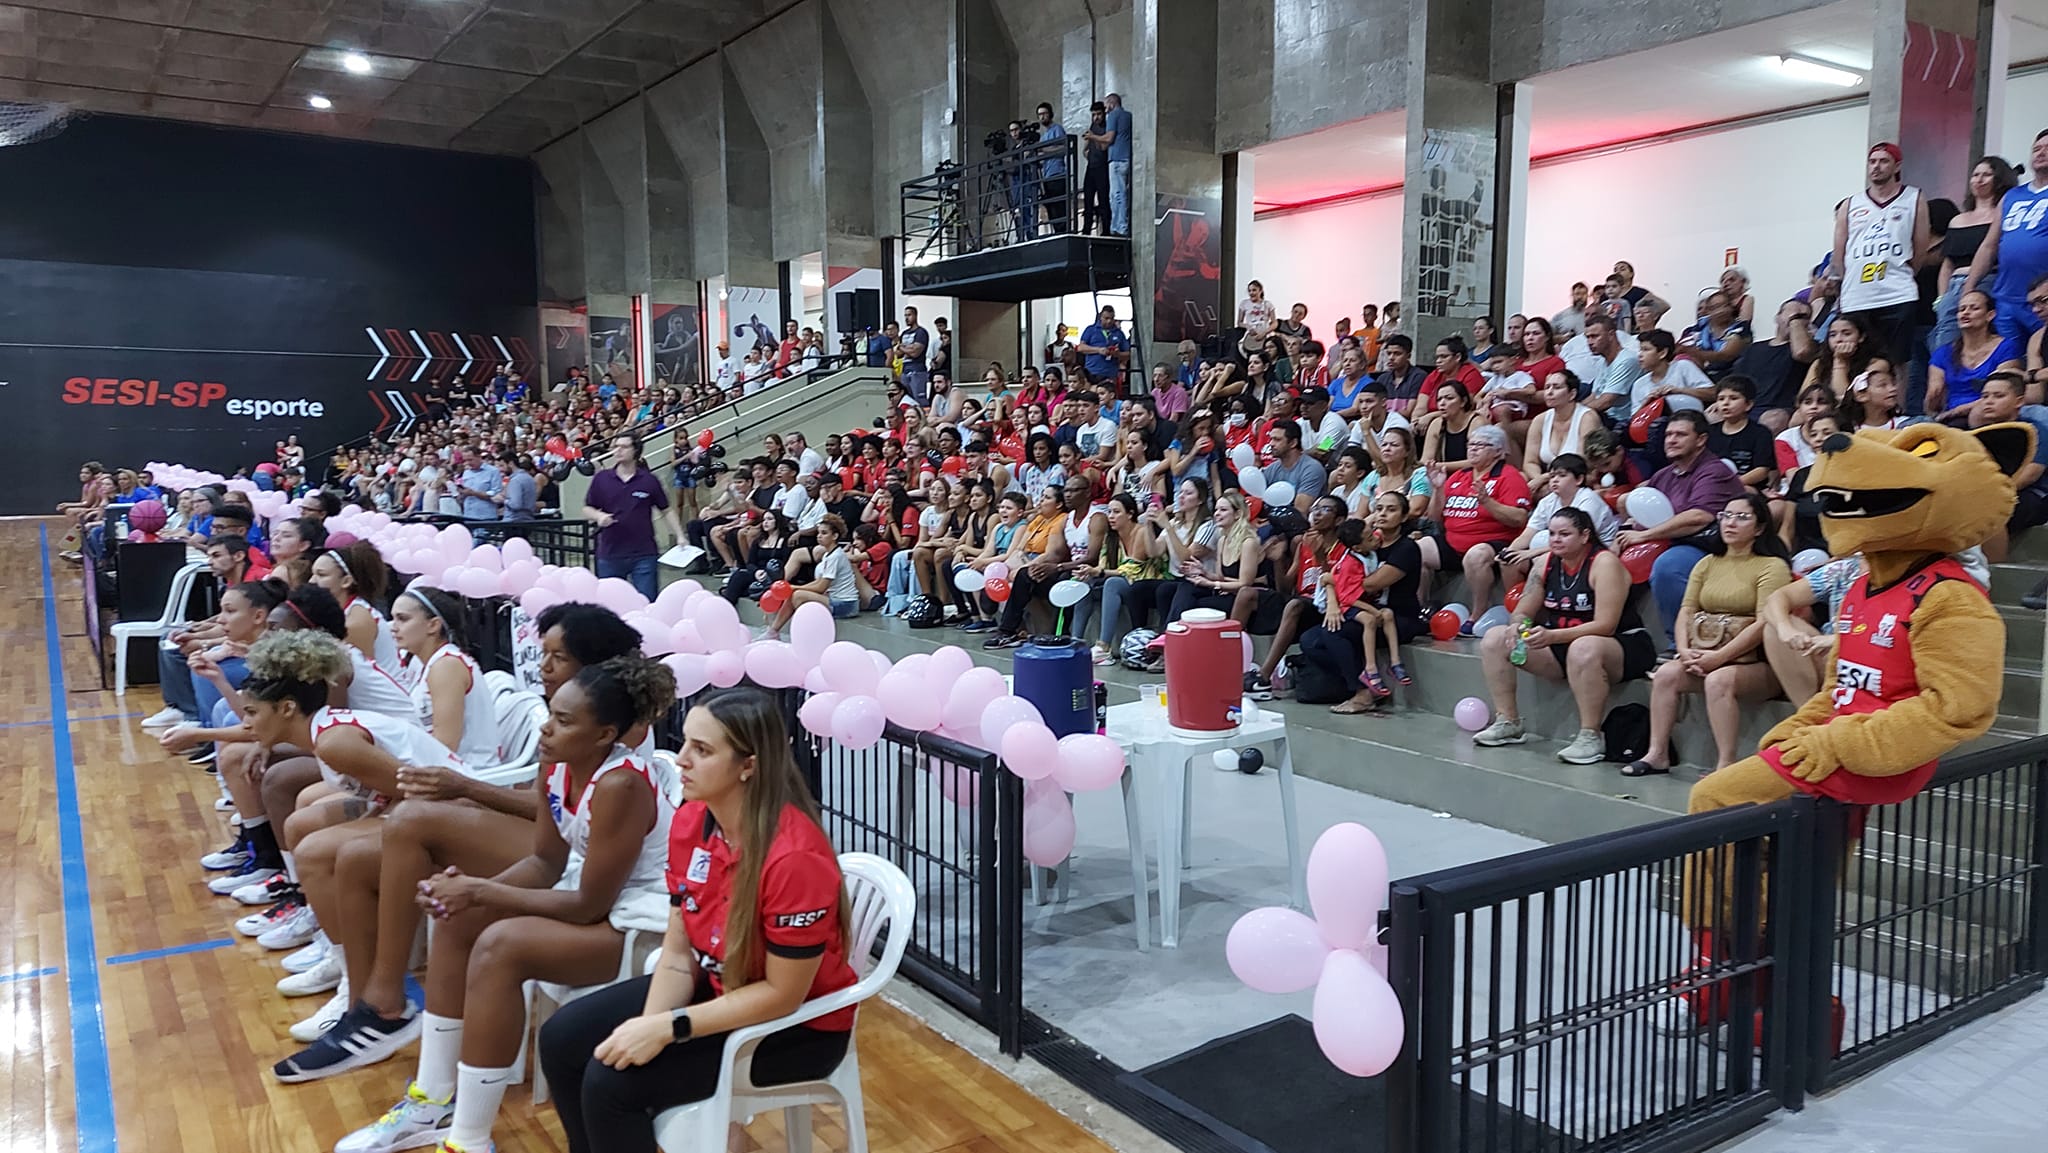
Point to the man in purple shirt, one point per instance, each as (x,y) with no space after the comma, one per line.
(622,500)
(1699,486)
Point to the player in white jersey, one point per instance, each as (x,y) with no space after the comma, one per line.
(531,922)
(358,577)
(1882,236)
(454,701)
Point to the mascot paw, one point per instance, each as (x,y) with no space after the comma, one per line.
(1807,759)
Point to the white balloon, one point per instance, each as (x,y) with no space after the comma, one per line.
(968,580)
(1541,541)
(1068,593)
(1252,481)
(1279,493)
(1647,507)
(1244,457)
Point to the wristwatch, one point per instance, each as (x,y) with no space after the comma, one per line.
(679,1020)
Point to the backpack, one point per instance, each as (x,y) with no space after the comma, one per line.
(1319,670)
(923,613)
(1626,732)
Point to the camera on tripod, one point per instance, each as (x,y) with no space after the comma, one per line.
(1000,141)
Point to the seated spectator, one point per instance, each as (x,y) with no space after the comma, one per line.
(1139,470)
(1452,365)
(767,552)
(1322,430)
(1746,445)
(1168,393)
(1196,455)
(1037,560)
(1678,383)
(1481,509)
(1998,402)
(1799,626)
(1401,377)
(1131,573)
(1843,356)
(1293,466)
(1577,623)
(1797,513)
(831,581)
(1561,428)
(1232,563)
(1875,399)
(1795,449)
(1564,487)
(1284,614)
(1698,485)
(1956,373)
(1449,428)
(1719,636)
(1778,365)
(1398,468)
(871,565)
(1348,470)
(941,527)
(1309,371)
(1389,602)
(1348,382)
(198,679)
(1001,533)
(1719,338)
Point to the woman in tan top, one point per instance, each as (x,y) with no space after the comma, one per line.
(1720,635)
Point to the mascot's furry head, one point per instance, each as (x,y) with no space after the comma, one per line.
(1896,495)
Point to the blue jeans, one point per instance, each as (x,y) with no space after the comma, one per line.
(1120,197)
(1945,328)
(640,571)
(205,696)
(902,582)
(174,678)
(1667,583)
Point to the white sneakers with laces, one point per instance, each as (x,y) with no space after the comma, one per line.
(310,1030)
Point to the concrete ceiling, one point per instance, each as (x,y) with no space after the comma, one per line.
(1724,76)
(500,76)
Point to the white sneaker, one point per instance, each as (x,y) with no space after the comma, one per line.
(227,883)
(309,1030)
(413,1123)
(1589,747)
(318,979)
(292,932)
(263,890)
(228,858)
(164,718)
(264,920)
(315,952)
(1500,732)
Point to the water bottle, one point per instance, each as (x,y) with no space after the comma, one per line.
(1519,654)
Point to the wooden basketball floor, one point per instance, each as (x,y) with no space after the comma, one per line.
(136,1018)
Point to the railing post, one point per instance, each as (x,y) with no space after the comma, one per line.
(1398,928)
(1791,916)
(2036,932)
(1004,847)
(1817,926)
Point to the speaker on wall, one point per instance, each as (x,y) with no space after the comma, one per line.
(857,310)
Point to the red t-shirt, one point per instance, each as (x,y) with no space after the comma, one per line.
(1466,521)
(1540,369)
(799,899)
(873,473)
(1347,579)
(1473,379)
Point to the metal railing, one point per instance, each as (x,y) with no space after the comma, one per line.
(1667,987)
(568,541)
(1008,199)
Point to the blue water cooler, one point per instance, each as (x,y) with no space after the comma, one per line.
(1058,678)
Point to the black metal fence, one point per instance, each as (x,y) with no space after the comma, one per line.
(571,543)
(1018,195)
(1667,987)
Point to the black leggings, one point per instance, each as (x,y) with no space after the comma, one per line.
(1023,588)
(613,1110)
(1189,595)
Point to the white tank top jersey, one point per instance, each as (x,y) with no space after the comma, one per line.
(572,815)
(386,646)
(1878,271)
(373,689)
(398,736)
(479,713)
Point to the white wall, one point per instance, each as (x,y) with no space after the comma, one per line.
(1672,209)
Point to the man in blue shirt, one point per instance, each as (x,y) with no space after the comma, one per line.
(880,344)
(479,487)
(522,492)
(1117,128)
(1052,172)
(912,345)
(2018,246)
(1106,349)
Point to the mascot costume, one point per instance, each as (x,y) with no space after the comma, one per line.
(1918,645)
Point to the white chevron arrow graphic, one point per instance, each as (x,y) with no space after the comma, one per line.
(383,359)
(407,417)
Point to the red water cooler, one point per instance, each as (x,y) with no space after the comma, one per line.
(1204,677)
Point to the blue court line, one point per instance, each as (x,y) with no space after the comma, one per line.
(174,950)
(74,720)
(26,975)
(92,1082)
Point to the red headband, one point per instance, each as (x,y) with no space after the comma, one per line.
(1889,149)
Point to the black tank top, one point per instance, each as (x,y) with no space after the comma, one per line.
(1569,599)
(1453,447)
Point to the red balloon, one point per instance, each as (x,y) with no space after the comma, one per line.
(705,438)
(1637,558)
(1253,506)
(782,589)
(1443,625)
(998,589)
(1514,597)
(558,446)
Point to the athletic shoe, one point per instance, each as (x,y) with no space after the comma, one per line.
(164,718)
(977,626)
(223,804)
(447,1146)
(253,875)
(315,952)
(269,890)
(321,978)
(413,1123)
(949,613)
(1500,732)
(204,756)
(257,924)
(1258,688)
(292,932)
(234,855)
(1589,747)
(360,1038)
(316,1026)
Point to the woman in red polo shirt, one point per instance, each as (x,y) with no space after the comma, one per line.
(759,927)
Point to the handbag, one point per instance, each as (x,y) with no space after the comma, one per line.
(1712,631)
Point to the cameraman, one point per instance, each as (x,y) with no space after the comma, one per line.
(1052,172)
(1021,180)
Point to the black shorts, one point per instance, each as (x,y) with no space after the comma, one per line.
(1271,607)
(1638,654)
(2029,510)
(1454,559)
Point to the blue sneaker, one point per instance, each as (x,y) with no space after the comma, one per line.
(360,1038)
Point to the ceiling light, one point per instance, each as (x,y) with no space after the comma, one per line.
(318,101)
(357,63)
(1817,72)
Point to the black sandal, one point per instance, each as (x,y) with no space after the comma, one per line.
(1642,769)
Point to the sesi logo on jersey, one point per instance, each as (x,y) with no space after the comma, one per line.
(800,920)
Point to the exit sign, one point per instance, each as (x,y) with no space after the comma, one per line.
(1729,256)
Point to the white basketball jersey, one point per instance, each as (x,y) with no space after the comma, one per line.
(1878,271)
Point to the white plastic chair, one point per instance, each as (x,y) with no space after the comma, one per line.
(520,716)
(502,683)
(881,897)
(173,616)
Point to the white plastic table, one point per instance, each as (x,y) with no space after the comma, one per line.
(1140,727)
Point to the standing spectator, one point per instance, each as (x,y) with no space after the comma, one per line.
(1990,179)
(1107,348)
(1481,508)
(480,486)
(622,500)
(1572,321)
(1880,234)
(1052,173)
(2017,248)
(1019,182)
(881,346)
(1095,176)
(1778,365)
(912,346)
(1116,133)
(1256,315)
(1699,485)
(1622,286)
(522,496)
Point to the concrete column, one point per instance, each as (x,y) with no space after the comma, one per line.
(1511,215)
(1177,225)
(604,229)
(686,115)
(986,331)
(618,142)
(749,220)
(671,263)
(1240,206)
(559,205)
(1452,172)
(847,133)
(1933,86)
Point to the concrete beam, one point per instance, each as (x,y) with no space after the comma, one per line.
(688,109)
(1289,67)
(910,94)
(559,204)
(846,132)
(618,141)
(1535,36)
(779,75)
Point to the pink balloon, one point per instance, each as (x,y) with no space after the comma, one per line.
(1347,884)
(654,636)
(881,663)
(970,695)
(725,668)
(675,598)
(815,682)
(692,672)
(996,572)
(518,577)
(1358,1020)
(1030,750)
(553,580)
(719,624)
(1250,662)
(1000,714)
(476,583)
(580,584)
(811,631)
(619,595)
(908,700)
(1048,828)
(848,670)
(686,638)
(946,666)
(816,713)
(1276,950)
(516,549)
(1088,761)
(1471,714)
(538,600)
(773,665)
(485,556)
(858,722)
